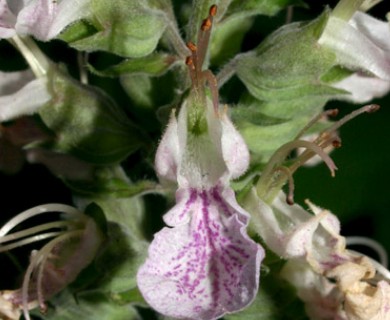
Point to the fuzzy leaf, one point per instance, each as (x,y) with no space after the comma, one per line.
(88,306)
(263,7)
(289,65)
(87,123)
(154,65)
(126,28)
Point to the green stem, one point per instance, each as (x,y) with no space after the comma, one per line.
(36,59)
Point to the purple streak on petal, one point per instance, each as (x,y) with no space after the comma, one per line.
(191,200)
(181,213)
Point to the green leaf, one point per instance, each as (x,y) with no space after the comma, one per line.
(126,28)
(88,306)
(289,65)
(126,247)
(147,95)
(119,262)
(256,7)
(97,214)
(154,65)
(114,187)
(77,31)
(268,125)
(87,123)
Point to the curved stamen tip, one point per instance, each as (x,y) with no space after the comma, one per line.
(290,199)
(332,112)
(372,108)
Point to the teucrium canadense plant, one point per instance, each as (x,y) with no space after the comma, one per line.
(175,129)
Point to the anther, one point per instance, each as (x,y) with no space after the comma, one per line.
(213,10)
(336,143)
(189,61)
(206,24)
(372,108)
(191,46)
(332,112)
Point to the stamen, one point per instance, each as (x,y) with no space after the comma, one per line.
(291,187)
(366,109)
(32,239)
(34,230)
(204,36)
(213,85)
(196,60)
(213,10)
(266,185)
(281,154)
(315,119)
(51,207)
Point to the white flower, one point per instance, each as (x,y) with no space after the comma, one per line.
(43,19)
(21,95)
(204,265)
(362,45)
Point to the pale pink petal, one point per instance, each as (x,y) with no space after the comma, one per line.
(234,149)
(7,21)
(26,101)
(321,297)
(168,152)
(11,82)
(45,19)
(376,30)
(205,268)
(358,50)
(362,88)
(36,18)
(67,13)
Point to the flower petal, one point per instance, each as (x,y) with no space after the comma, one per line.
(26,101)
(356,49)
(205,268)
(234,149)
(46,19)
(362,88)
(35,18)
(11,82)
(67,13)
(7,21)
(168,152)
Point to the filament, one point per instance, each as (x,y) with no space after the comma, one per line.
(290,194)
(34,230)
(50,207)
(32,239)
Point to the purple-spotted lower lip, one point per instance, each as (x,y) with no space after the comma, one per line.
(206,267)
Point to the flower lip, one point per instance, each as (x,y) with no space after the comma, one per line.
(206,266)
